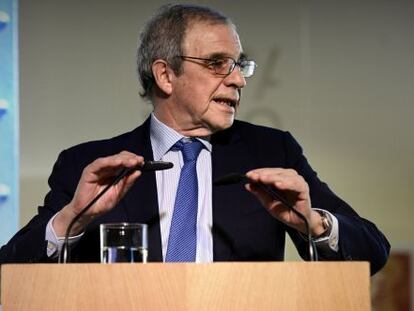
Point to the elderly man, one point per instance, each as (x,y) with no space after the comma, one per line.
(192,68)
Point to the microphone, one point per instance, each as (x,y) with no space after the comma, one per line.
(149,166)
(234,178)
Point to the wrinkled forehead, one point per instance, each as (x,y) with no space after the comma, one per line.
(204,39)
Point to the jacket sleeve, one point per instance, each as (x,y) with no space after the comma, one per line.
(359,239)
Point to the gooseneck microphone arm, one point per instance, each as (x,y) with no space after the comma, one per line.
(148,166)
(234,178)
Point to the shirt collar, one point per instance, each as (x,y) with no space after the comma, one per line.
(163,138)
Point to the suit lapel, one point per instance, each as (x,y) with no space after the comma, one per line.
(141,201)
(230,155)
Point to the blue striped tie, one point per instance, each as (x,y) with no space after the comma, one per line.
(182,242)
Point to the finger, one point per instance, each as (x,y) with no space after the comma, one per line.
(109,166)
(269,175)
(292,183)
(130,159)
(279,178)
(123,158)
(257,173)
(128,181)
(264,197)
(273,170)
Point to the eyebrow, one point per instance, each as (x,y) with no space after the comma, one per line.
(243,56)
(219,55)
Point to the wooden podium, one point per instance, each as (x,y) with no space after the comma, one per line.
(157,286)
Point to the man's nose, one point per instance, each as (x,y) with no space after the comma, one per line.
(236,78)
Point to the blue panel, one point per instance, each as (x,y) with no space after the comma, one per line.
(9,114)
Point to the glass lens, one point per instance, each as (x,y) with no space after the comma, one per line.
(247,68)
(223,66)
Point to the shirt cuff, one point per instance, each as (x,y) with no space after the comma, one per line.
(55,243)
(331,241)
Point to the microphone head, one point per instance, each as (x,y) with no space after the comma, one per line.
(155,166)
(229,179)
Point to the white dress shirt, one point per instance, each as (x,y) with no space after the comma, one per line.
(162,139)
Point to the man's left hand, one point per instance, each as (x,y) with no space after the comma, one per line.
(295,190)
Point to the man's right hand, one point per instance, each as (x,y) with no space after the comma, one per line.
(95,177)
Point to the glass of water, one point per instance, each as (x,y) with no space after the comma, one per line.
(124,242)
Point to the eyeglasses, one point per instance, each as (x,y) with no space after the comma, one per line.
(225,65)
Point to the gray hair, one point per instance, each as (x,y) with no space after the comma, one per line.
(163,35)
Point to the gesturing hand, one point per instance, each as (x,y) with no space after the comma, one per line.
(296,191)
(95,177)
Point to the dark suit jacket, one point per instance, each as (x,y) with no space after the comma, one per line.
(242,228)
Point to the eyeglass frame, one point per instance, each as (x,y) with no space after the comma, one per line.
(231,67)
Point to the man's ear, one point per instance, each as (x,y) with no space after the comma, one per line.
(163,75)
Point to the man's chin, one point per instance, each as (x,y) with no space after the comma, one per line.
(221,126)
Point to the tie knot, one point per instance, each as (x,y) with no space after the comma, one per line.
(190,149)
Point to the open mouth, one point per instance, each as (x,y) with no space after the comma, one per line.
(226,101)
